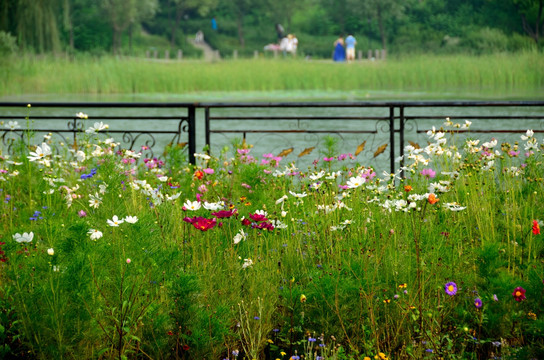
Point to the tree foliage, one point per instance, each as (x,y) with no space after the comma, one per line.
(428,25)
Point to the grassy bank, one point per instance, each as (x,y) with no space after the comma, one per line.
(493,74)
(106,254)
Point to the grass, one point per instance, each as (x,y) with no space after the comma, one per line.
(490,74)
(332,262)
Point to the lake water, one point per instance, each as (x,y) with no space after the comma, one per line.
(277,142)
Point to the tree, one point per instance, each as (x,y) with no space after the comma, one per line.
(181,7)
(532,20)
(124,13)
(381,11)
(37,24)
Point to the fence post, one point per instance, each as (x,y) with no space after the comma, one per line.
(167,54)
(369,54)
(191,133)
(384,52)
(256,54)
(207,127)
(180,54)
(360,54)
(401,134)
(392,137)
(155,54)
(235,54)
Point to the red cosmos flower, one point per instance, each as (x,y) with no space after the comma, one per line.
(519,294)
(204,224)
(186,347)
(258,217)
(263,226)
(199,174)
(246,222)
(536,228)
(224,213)
(201,223)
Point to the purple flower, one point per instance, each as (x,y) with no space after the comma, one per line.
(478,303)
(495,298)
(451,288)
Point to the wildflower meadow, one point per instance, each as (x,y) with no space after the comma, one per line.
(108,254)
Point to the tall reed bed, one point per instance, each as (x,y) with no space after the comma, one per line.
(492,74)
(105,253)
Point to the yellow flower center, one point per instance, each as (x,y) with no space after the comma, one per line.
(450,288)
(518,293)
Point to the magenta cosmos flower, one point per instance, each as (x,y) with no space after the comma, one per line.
(519,294)
(451,288)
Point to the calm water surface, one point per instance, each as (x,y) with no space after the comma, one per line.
(276,143)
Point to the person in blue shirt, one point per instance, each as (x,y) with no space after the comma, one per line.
(214,23)
(350,47)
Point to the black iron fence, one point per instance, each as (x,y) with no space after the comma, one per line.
(382,127)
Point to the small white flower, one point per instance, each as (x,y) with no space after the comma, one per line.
(317,176)
(95,201)
(131,219)
(13,125)
(247,263)
(209,206)
(281,199)
(95,234)
(51,251)
(97,127)
(355,182)
(202,156)
(191,205)
(115,221)
(528,135)
(261,212)
(40,153)
(239,237)
(82,115)
(300,196)
(24,238)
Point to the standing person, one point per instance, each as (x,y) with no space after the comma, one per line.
(280,31)
(350,47)
(339,53)
(294,41)
(214,24)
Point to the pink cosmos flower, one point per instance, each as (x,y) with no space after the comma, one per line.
(428,173)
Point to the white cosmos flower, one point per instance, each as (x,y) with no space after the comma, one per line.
(528,135)
(12,125)
(281,199)
(454,206)
(131,219)
(261,212)
(191,205)
(239,237)
(40,153)
(95,234)
(173,197)
(97,127)
(355,182)
(51,251)
(82,115)
(317,176)
(115,221)
(24,238)
(95,201)
(209,206)
(298,195)
(202,156)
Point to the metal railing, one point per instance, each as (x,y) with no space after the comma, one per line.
(391,123)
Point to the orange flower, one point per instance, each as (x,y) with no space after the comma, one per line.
(199,174)
(433,199)
(408,188)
